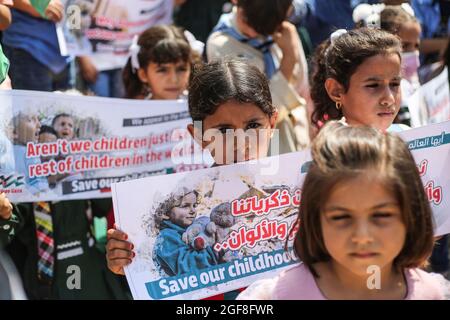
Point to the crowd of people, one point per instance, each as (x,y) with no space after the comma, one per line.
(334,76)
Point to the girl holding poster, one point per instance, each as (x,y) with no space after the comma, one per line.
(371,248)
(224,95)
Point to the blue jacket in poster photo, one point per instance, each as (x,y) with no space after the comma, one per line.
(176,257)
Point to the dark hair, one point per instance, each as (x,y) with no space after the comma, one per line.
(265,16)
(393,17)
(217,82)
(342,152)
(60,115)
(159,44)
(340,61)
(48,129)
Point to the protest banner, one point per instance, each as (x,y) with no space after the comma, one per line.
(107,27)
(431,102)
(430,146)
(59,147)
(219,229)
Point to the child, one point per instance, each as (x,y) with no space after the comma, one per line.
(400,21)
(223,95)
(31,44)
(64,126)
(160,64)
(259,32)
(364,215)
(26,129)
(48,135)
(357,76)
(172,254)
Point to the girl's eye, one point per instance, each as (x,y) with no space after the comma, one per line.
(395,84)
(373,85)
(182,69)
(341,217)
(253,125)
(161,70)
(382,215)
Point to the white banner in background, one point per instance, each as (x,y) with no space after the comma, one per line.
(59,147)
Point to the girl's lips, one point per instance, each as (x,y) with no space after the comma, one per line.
(364,255)
(386,114)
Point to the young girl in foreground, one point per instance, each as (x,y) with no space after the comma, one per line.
(363,216)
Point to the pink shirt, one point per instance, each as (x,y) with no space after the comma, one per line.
(298,283)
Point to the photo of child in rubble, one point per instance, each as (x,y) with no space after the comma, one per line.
(188,224)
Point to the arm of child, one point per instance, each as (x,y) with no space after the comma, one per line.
(119,252)
(88,70)
(5,15)
(176,257)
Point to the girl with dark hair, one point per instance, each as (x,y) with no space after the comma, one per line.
(159,66)
(357,76)
(225,96)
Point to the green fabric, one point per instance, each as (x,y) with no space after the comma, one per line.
(4,66)
(40,6)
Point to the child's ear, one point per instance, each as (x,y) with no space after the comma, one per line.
(334,89)
(142,75)
(273,120)
(165,217)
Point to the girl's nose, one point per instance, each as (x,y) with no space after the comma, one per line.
(388,98)
(362,234)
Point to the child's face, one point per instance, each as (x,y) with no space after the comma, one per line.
(374,96)
(410,35)
(64,127)
(184,214)
(166,81)
(47,137)
(240,118)
(27,129)
(362,225)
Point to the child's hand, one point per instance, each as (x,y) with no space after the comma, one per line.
(88,70)
(118,251)
(5,207)
(289,42)
(55,11)
(286,37)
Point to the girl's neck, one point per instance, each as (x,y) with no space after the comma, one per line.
(337,282)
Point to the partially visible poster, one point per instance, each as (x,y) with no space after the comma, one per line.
(59,147)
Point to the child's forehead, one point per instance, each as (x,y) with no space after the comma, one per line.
(64,118)
(383,65)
